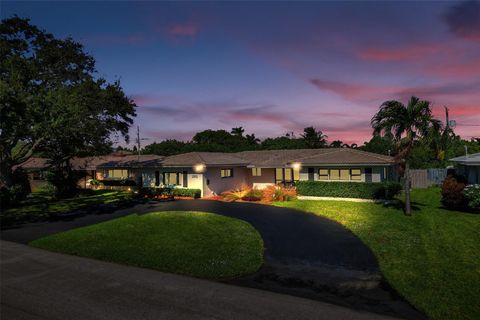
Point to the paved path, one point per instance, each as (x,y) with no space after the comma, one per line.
(37,284)
(305,255)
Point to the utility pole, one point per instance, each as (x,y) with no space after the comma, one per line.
(138,143)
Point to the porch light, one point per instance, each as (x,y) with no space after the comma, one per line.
(296,165)
(198,168)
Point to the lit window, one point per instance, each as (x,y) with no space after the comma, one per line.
(226,173)
(288,174)
(356,174)
(345,174)
(172,178)
(256,172)
(296,174)
(118,174)
(323,174)
(334,174)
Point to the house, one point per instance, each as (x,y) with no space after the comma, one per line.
(469,167)
(35,169)
(216,172)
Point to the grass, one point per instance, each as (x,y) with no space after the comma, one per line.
(431,258)
(41,206)
(198,244)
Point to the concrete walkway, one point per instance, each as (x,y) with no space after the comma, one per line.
(37,284)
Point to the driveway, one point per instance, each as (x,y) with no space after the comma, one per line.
(305,255)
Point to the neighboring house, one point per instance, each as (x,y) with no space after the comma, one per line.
(216,172)
(469,167)
(36,169)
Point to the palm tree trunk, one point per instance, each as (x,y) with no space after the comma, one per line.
(408,208)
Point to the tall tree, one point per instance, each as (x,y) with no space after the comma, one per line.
(51,100)
(238,131)
(313,138)
(407,124)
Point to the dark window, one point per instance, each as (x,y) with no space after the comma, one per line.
(157,178)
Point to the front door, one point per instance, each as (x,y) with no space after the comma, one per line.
(368,174)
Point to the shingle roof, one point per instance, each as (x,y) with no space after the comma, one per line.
(280,158)
(348,156)
(471,159)
(207,158)
(144,161)
(34,163)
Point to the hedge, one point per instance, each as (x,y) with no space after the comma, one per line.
(384,190)
(177,192)
(118,183)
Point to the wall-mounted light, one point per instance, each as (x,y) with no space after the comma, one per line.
(296,165)
(198,168)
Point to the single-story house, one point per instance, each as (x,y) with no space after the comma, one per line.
(469,167)
(216,172)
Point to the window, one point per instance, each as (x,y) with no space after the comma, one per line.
(356,175)
(296,174)
(117,174)
(226,173)
(334,174)
(323,174)
(172,178)
(286,175)
(344,174)
(256,172)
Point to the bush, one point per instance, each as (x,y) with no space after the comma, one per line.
(279,193)
(185,192)
(385,190)
(236,194)
(169,192)
(452,192)
(251,198)
(119,183)
(472,196)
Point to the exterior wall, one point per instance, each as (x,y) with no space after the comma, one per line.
(194,180)
(472,173)
(215,185)
(266,179)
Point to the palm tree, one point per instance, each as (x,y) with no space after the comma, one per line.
(238,131)
(408,124)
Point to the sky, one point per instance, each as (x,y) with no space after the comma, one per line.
(276,67)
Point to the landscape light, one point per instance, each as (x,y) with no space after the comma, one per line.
(199,168)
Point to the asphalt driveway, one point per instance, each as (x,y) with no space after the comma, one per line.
(305,255)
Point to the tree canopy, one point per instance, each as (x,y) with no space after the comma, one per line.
(51,100)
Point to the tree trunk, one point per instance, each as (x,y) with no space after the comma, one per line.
(5,174)
(408,208)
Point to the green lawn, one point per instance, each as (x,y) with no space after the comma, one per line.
(431,258)
(41,205)
(198,244)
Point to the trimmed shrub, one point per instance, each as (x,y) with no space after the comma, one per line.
(169,192)
(472,196)
(363,190)
(119,183)
(185,192)
(452,192)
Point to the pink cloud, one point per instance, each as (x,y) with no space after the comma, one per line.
(188,29)
(354,91)
(411,52)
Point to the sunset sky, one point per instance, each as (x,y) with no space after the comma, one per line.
(275,67)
